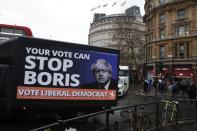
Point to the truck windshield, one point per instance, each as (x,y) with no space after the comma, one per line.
(123,73)
(120,81)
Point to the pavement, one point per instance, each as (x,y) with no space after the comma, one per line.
(189,126)
(183,127)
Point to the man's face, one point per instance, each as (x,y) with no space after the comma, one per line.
(102,75)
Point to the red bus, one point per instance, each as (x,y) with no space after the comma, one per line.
(8,32)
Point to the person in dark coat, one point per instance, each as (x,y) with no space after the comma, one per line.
(161,87)
(191,91)
(175,89)
(102,73)
(145,87)
(155,83)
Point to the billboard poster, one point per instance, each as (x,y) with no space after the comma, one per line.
(65,73)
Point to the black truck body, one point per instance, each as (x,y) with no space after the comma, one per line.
(39,75)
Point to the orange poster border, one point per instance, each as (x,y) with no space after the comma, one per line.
(47,93)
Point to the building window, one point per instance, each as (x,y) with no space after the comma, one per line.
(149,8)
(147,38)
(150,23)
(182,30)
(161,52)
(161,2)
(136,50)
(175,51)
(162,19)
(181,50)
(149,52)
(162,33)
(187,50)
(151,37)
(181,14)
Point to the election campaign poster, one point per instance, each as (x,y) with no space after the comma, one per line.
(66,72)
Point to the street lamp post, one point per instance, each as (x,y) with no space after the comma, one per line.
(156,77)
(173,56)
(146,62)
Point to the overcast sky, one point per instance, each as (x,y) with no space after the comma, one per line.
(62,20)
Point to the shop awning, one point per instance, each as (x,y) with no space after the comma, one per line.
(183,73)
(177,73)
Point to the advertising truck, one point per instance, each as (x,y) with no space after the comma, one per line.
(39,75)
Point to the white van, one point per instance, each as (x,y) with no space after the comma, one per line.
(123,83)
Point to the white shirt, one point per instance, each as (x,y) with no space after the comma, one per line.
(107,85)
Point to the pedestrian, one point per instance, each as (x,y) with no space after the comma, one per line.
(145,87)
(150,84)
(155,84)
(191,91)
(184,84)
(161,87)
(174,89)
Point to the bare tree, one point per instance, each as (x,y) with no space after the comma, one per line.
(132,39)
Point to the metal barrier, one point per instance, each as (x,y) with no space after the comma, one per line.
(185,111)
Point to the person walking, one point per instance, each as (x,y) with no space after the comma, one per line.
(191,91)
(145,87)
(161,87)
(175,90)
(155,85)
(150,84)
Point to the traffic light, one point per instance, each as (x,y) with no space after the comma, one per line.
(159,67)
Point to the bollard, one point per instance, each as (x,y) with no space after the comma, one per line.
(60,125)
(116,126)
(107,120)
(177,114)
(196,109)
(135,117)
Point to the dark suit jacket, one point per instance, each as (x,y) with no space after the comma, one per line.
(112,86)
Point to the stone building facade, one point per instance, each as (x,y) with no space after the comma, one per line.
(104,27)
(171,38)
